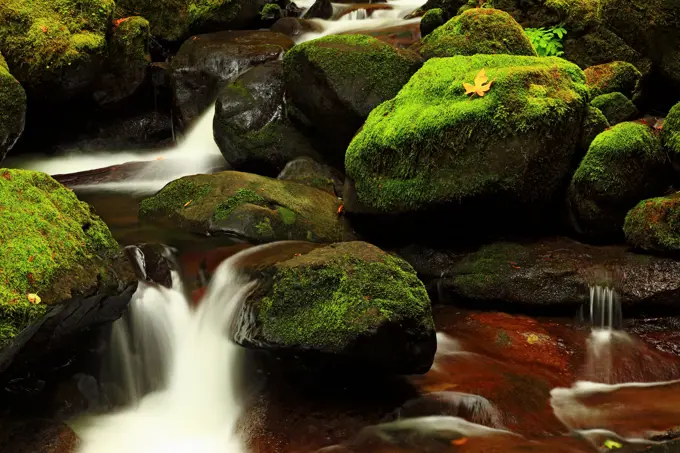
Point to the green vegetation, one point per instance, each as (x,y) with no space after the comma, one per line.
(671,132)
(616,107)
(654,224)
(547,41)
(477,31)
(270,11)
(489,266)
(12,108)
(240,197)
(618,76)
(594,124)
(178,194)
(431,20)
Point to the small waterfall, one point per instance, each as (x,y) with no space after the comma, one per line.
(605,308)
(357,14)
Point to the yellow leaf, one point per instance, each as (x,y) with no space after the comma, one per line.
(532,338)
(188,203)
(612,444)
(479,88)
(481,78)
(34,298)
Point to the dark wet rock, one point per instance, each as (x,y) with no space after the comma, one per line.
(205,63)
(348,302)
(623,165)
(616,107)
(252,207)
(576,16)
(13,106)
(311,173)
(128,61)
(666,447)
(251,125)
(654,225)
(321,9)
(36,436)
(617,76)
(292,26)
(152,263)
(551,271)
(477,31)
(334,82)
(431,20)
(449,8)
(594,124)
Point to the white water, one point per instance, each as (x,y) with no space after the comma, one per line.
(183,357)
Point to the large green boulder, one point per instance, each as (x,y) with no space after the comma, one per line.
(479,30)
(350,303)
(575,15)
(670,134)
(334,82)
(53,246)
(55,46)
(256,208)
(624,165)
(433,146)
(616,107)
(654,224)
(12,109)
(617,76)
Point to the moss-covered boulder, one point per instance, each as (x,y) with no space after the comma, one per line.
(311,173)
(55,47)
(616,107)
(334,82)
(434,147)
(479,30)
(575,15)
(53,245)
(594,124)
(12,109)
(617,76)
(654,224)
(431,20)
(670,134)
(256,208)
(448,7)
(624,165)
(350,303)
(251,125)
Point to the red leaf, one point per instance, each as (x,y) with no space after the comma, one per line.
(341,208)
(43,28)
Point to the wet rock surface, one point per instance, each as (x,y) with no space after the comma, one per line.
(36,436)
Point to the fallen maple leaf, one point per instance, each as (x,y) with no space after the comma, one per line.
(33,298)
(479,88)
(188,203)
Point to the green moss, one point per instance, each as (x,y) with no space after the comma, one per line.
(612,77)
(577,15)
(671,131)
(16,316)
(615,106)
(240,197)
(264,228)
(49,239)
(594,124)
(12,108)
(431,20)
(489,266)
(176,195)
(478,31)
(432,144)
(327,306)
(44,36)
(654,224)
(287,216)
(270,11)
(602,46)
(174,19)
(375,63)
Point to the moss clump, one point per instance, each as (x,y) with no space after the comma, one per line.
(240,197)
(618,76)
(576,15)
(287,216)
(594,124)
(12,109)
(489,266)
(670,134)
(431,144)
(431,20)
(624,165)
(271,11)
(41,37)
(602,46)
(616,107)
(178,194)
(328,298)
(478,31)
(654,224)
(52,244)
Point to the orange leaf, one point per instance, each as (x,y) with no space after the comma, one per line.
(461,441)
(43,28)
(480,87)
(341,208)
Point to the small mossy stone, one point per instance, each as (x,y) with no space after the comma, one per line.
(670,134)
(432,145)
(616,107)
(53,246)
(12,109)
(594,124)
(432,19)
(623,165)
(617,76)
(477,31)
(654,225)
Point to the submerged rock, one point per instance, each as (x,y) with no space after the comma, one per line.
(13,108)
(350,303)
(479,30)
(334,82)
(616,107)
(551,271)
(654,224)
(310,173)
(617,76)
(623,166)
(248,206)
(433,147)
(251,125)
(37,436)
(205,63)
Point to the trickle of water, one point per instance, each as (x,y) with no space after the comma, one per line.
(605,308)
(357,14)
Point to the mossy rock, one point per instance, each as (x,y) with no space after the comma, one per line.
(432,146)
(53,246)
(349,301)
(56,46)
(594,124)
(431,20)
(334,82)
(305,170)
(654,224)
(448,7)
(172,20)
(575,15)
(617,76)
(256,208)
(624,165)
(12,109)
(477,31)
(616,107)
(670,134)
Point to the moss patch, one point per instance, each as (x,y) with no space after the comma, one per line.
(12,109)
(594,124)
(671,131)
(616,107)
(241,197)
(431,20)
(478,31)
(491,265)
(176,195)
(654,224)
(618,76)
